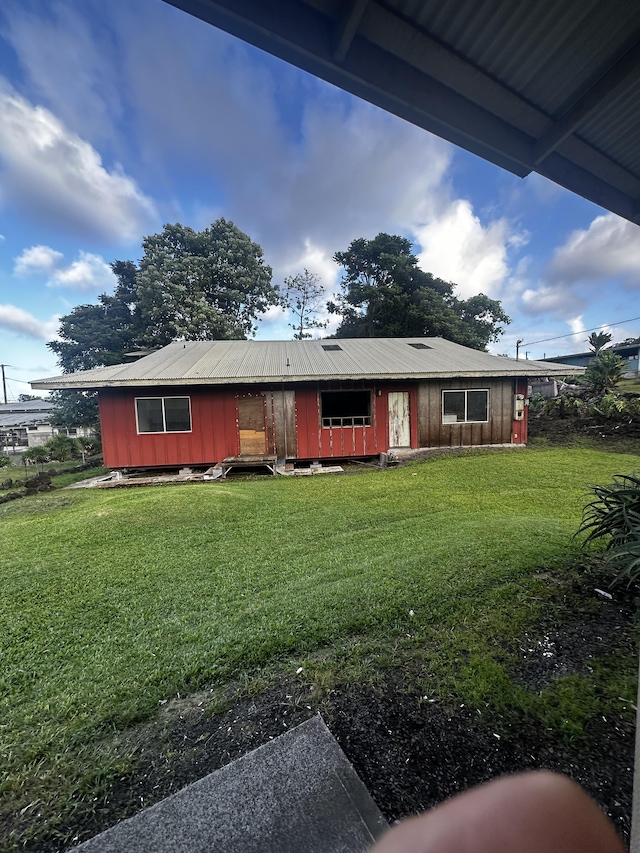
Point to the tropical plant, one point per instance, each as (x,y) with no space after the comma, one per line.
(598,340)
(614,516)
(604,373)
(5,460)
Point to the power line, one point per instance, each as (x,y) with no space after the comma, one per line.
(581,332)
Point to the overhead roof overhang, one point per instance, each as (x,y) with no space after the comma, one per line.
(551,86)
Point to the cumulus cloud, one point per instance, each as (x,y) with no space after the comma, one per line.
(54,177)
(37,259)
(456,247)
(15,319)
(550,299)
(88,273)
(608,248)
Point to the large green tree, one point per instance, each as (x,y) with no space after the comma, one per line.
(189,285)
(203,285)
(386,294)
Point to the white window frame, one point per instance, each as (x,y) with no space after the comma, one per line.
(164,429)
(464,391)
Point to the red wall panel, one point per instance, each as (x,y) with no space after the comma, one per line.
(214,434)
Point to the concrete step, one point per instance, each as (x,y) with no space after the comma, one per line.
(295,793)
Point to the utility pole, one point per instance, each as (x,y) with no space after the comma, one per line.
(4,382)
(518,349)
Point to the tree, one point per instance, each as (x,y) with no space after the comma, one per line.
(304,297)
(26,398)
(203,285)
(74,408)
(598,340)
(604,373)
(386,294)
(101,335)
(189,285)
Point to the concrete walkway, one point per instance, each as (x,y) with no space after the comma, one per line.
(296,793)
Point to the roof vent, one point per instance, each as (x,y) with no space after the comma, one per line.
(331,347)
(420,346)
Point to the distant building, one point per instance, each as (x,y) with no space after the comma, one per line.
(27,425)
(629,352)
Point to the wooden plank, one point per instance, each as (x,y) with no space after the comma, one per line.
(251,425)
(291,434)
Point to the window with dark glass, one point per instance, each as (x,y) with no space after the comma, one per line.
(163,414)
(345,408)
(460,407)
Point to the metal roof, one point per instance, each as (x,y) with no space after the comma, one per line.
(550,86)
(252,362)
(29,413)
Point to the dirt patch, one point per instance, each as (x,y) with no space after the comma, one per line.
(620,436)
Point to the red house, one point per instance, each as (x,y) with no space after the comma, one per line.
(198,403)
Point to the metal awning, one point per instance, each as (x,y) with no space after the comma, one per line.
(551,87)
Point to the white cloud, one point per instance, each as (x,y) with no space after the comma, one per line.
(456,247)
(54,177)
(608,248)
(17,320)
(88,273)
(37,259)
(545,299)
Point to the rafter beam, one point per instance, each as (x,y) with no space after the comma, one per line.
(600,89)
(347,28)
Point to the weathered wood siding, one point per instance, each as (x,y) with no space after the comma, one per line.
(433,433)
(293,427)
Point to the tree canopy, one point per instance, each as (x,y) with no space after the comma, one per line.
(189,285)
(386,294)
(205,285)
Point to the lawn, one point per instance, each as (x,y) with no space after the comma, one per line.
(117,600)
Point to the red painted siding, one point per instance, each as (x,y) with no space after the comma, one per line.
(317,442)
(214,422)
(214,433)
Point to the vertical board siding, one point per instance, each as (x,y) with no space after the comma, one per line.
(293,425)
(213,436)
(433,433)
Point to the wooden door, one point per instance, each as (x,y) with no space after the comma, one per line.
(251,425)
(399,425)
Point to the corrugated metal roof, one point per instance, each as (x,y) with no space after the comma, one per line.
(549,86)
(27,406)
(251,362)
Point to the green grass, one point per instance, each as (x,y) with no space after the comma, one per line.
(115,600)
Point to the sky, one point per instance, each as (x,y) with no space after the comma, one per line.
(116,118)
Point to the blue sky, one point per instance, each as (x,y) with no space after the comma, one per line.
(116,118)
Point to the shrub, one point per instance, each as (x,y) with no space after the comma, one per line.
(5,460)
(62,448)
(36,454)
(615,516)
